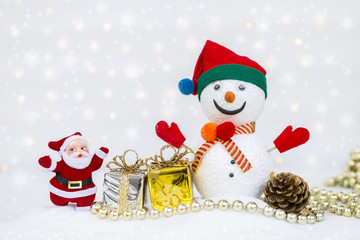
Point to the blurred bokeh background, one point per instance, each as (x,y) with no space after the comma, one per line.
(110,70)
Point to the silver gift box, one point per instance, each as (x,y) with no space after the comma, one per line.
(136,195)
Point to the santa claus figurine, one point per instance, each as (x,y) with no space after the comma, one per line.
(73,181)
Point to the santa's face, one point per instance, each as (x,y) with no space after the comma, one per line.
(76,154)
(233,101)
(77,149)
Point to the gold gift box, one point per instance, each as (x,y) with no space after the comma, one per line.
(170,186)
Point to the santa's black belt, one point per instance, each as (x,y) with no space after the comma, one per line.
(73,184)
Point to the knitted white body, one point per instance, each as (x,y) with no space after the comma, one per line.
(212,178)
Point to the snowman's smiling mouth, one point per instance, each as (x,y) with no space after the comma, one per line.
(228,112)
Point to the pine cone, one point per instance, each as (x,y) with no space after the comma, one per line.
(288,192)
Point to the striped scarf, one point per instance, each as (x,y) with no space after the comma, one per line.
(230,147)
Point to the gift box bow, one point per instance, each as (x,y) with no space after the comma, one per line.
(122,166)
(177,158)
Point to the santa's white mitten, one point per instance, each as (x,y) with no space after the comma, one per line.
(105,150)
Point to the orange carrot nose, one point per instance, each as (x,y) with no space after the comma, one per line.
(229,96)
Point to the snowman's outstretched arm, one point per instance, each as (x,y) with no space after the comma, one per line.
(271,149)
(290,138)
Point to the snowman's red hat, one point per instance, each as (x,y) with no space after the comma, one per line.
(215,63)
(61,144)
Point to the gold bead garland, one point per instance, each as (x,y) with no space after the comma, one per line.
(321,200)
(141,214)
(310,216)
(181,209)
(195,206)
(154,213)
(280,214)
(351,176)
(251,207)
(114,214)
(237,205)
(223,205)
(209,204)
(328,200)
(268,211)
(127,215)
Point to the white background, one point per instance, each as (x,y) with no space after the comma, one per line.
(110,69)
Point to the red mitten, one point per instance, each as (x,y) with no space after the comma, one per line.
(172,135)
(289,139)
(45,161)
(225,130)
(105,150)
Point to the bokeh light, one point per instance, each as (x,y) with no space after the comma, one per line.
(110,70)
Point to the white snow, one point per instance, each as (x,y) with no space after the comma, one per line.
(50,222)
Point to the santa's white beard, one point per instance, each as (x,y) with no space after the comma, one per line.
(77,163)
(75,154)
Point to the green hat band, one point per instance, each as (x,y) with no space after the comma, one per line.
(232,71)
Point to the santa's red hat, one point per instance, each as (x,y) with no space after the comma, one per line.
(215,63)
(61,144)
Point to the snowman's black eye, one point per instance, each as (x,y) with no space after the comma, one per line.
(217,86)
(242,87)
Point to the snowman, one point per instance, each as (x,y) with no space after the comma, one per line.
(232,161)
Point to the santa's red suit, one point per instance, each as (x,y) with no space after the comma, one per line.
(73,182)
